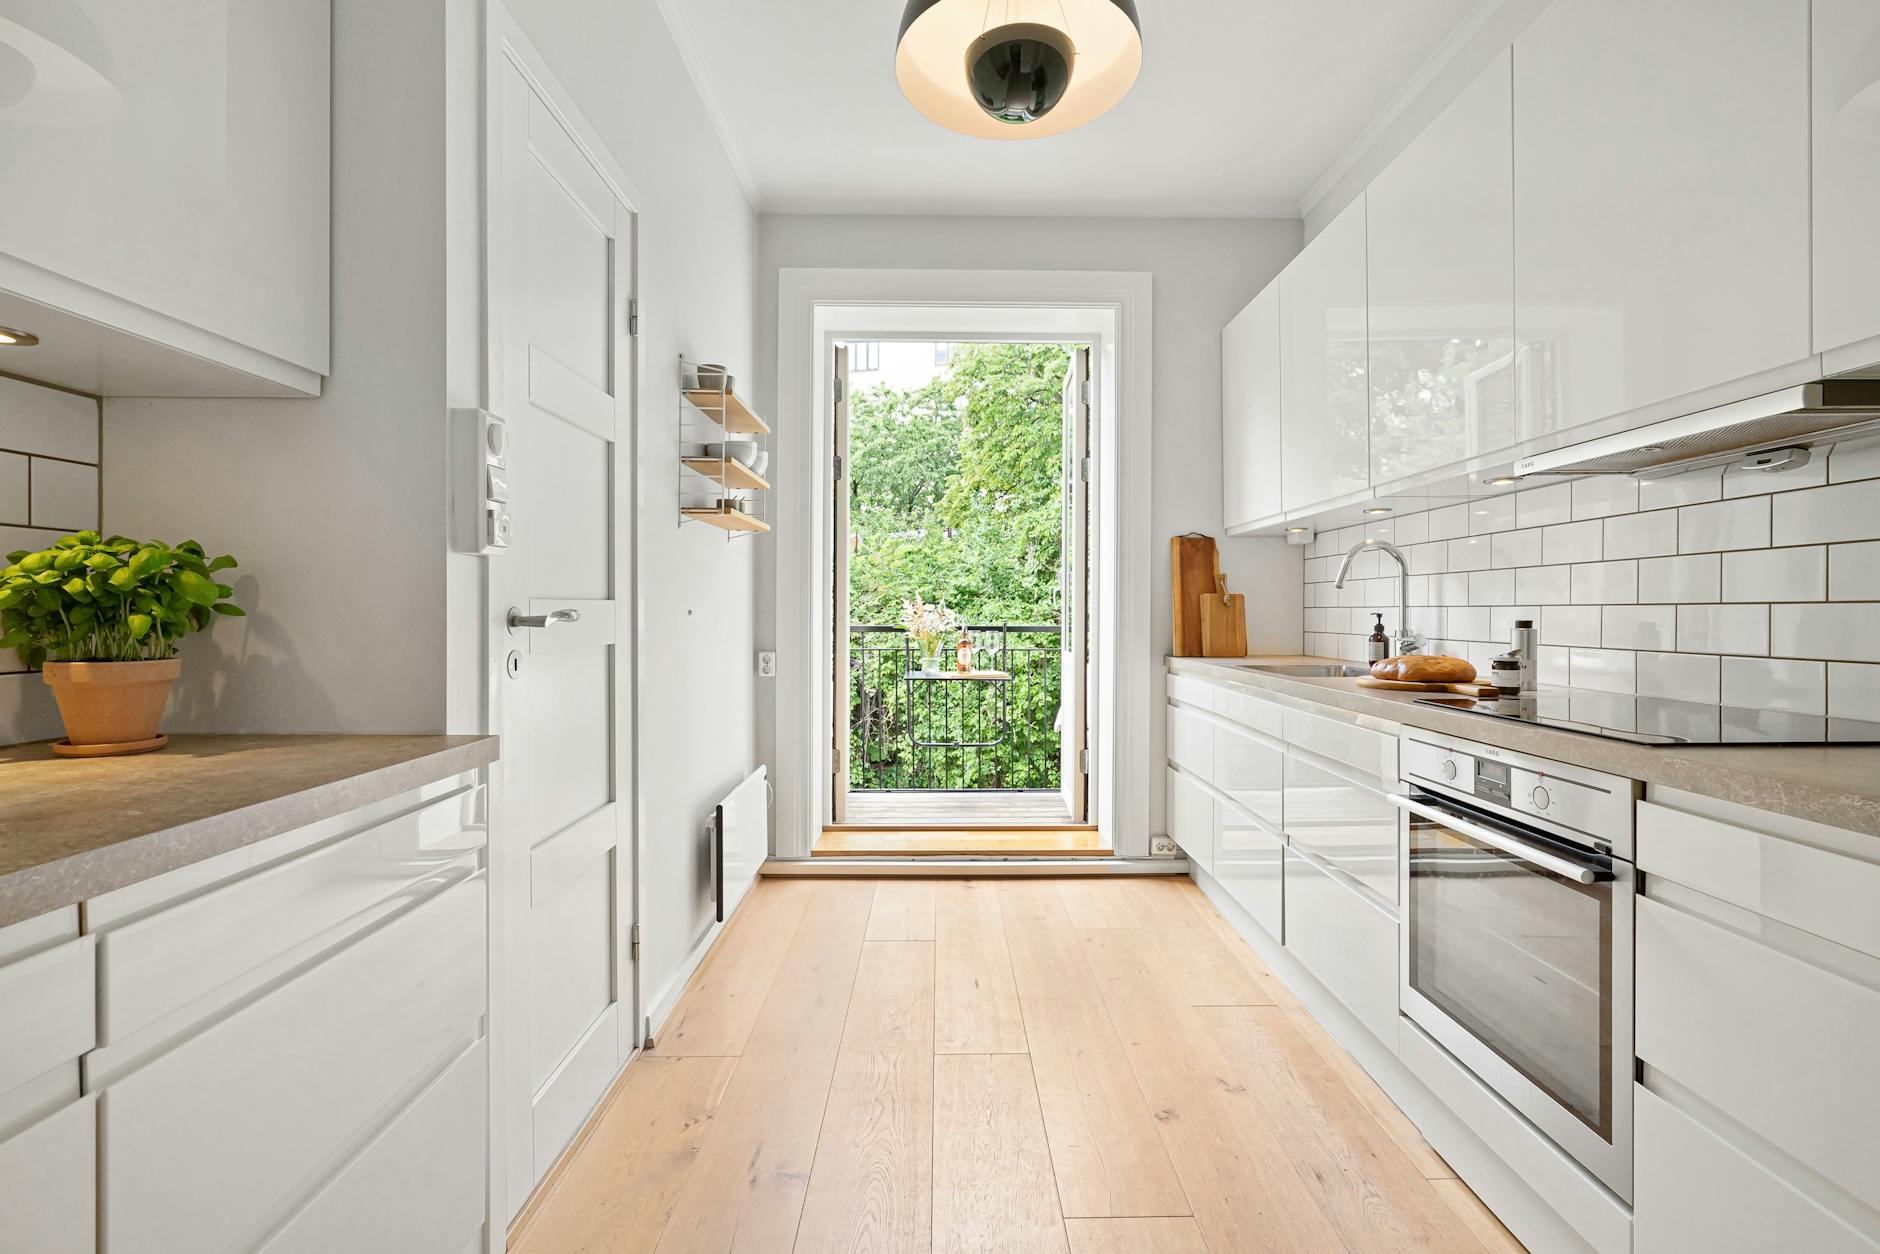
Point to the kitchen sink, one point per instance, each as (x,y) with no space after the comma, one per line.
(1309,670)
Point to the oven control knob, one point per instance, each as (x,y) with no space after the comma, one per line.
(1449,768)
(1540,797)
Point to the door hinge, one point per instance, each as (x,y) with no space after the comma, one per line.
(1086,391)
(1083,761)
(1083,469)
(839,468)
(633,315)
(635,938)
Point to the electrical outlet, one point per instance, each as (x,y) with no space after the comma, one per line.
(1163,847)
(767,665)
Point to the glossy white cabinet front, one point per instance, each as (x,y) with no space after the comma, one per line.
(1847,173)
(1441,265)
(1250,413)
(1661,201)
(1325,446)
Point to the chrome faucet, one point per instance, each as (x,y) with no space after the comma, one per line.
(1407,641)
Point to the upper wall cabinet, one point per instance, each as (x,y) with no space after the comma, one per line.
(164,229)
(1661,201)
(1325,446)
(1250,409)
(1847,178)
(1440,229)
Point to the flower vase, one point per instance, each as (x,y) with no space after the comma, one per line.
(930,657)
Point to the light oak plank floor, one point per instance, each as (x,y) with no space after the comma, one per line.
(1078,1067)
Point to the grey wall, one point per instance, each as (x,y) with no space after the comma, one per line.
(1204,270)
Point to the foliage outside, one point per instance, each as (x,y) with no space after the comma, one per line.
(955,500)
(88,599)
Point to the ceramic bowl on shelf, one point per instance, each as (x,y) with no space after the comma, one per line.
(711,377)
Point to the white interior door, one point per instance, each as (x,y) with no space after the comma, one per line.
(561,282)
(1074,580)
(839,587)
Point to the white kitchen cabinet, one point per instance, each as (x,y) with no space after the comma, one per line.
(1190,740)
(1249,862)
(1440,260)
(1191,818)
(178,240)
(1325,447)
(1343,937)
(1250,414)
(1847,179)
(1661,167)
(1248,770)
(49,1183)
(1343,822)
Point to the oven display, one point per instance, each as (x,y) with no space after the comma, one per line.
(1491,780)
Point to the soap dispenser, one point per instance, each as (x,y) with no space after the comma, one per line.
(1377,648)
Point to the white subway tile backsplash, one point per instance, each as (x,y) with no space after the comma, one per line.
(48,422)
(1572,542)
(1604,670)
(1723,629)
(1854,572)
(1854,691)
(1449,522)
(1681,579)
(1552,667)
(13,539)
(1466,623)
(1384,529)
(1683,489)
(1605,583)
(1679,677)
(1502,619)
(65,494)
(1854,459)
(1428,559)
(1845,511)
(1491,514)
(1544,585)
(1776,575)
(1452,589)
(1470,553)
(1841,631)
(1515,548)
(1413,528)
(1741,524)
(1640,627)
(1740,482)
(1600,496)
(1541,507)
(1758,683)
(1491,587)
(1570,624)
(13,480)
(1642,535)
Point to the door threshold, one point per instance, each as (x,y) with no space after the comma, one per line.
(950,841)
(970,867)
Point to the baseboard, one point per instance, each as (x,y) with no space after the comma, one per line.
(662,1006)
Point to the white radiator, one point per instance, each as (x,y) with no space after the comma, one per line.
(742,828)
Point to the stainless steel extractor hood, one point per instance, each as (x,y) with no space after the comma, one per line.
(1796,417)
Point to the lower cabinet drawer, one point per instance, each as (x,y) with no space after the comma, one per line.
(1346,824)
(418,1188)
(1371,753)
(213,1144)
(1693,1191)
(1784,1047)
(49,1184)
(1190,740)
(1346,941)
(1249,862)
(48,1010)
(1249,771)
(1191,819)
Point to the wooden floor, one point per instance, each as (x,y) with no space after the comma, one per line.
(1070,1066)
(956,809)
(901,842)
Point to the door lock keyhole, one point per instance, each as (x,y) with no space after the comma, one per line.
(513,663)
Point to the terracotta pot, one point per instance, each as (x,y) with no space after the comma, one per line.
(112,703)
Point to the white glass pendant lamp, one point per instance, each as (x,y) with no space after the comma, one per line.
(1017,69)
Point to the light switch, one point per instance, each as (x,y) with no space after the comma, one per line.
(496,484)
(497,537)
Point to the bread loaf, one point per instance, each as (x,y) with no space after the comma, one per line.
(1417,669)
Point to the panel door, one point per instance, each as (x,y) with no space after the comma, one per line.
(1074,589)
(1847,173)
(1440,245)
(1661,201)
(1250,413)
(1325,446)
(561,243)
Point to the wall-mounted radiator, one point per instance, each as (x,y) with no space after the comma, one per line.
(741,840)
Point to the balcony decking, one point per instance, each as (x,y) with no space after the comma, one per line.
(890,808)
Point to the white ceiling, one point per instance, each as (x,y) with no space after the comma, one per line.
(1241,107)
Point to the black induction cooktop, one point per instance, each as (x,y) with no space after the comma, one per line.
(1660,721)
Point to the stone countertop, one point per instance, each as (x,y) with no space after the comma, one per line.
(1838,785)
(72,828)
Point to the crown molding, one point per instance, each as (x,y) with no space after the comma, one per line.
(700,73)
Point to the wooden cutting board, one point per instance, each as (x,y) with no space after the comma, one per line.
(1476,688)
(1223,622)
(1194,565)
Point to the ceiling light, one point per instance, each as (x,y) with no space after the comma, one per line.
(1501,481)
(1297,531)
(17,338)
(1017,69)
(1378,509)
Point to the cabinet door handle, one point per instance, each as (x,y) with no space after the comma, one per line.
(517,619)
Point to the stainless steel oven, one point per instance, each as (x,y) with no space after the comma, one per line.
(1517,944)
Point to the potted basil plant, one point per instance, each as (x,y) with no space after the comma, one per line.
(101,619)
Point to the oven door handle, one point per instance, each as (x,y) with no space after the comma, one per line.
(1545,859)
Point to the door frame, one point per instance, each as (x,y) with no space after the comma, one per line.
(1110,311)
(507,49)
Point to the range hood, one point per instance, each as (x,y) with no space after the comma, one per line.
(1792,419)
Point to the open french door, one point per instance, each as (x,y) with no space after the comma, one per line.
(1074,589)
(839,529)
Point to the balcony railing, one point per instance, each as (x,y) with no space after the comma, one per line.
(914,734)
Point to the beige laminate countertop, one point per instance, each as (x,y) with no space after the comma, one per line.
(72,828)
(1838,785)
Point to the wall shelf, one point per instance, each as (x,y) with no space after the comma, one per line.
(715,487)
(728,519)
(723,470)
(725,409)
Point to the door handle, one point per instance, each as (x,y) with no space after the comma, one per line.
(1547,860)
(517,619)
